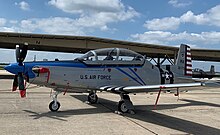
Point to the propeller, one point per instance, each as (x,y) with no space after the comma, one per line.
(19,78)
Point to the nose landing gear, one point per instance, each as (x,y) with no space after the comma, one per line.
(54,105)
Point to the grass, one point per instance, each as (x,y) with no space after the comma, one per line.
(2,65)
(2,68)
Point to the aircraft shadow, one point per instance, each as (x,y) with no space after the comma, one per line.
(62,115)
(172,106)
(160,119)
(143,113)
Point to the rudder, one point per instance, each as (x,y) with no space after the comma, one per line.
(184,61)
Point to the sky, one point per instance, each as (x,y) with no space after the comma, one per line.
(162,22)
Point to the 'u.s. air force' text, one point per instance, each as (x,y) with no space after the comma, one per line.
(98,77)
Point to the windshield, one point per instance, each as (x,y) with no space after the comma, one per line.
(113,54)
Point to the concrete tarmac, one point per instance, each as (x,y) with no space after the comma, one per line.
(197,112)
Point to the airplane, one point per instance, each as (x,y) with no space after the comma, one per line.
(199,73)
(116,70)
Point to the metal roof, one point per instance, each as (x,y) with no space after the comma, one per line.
(82,44)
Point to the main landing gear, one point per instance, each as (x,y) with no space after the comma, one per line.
(92,98)
(54,105)
(125,105)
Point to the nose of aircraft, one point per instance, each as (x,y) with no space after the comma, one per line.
(14,68)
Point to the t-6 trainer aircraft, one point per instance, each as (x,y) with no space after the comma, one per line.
(117,70)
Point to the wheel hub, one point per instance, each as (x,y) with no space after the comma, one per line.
(54,106)
(124,108)
(92,97)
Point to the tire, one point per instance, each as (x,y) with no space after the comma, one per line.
(92,98)
(122,107)
(52,106)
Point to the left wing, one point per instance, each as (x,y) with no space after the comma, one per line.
(147,88)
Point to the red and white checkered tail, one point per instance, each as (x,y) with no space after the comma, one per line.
(188,63)
(184,61)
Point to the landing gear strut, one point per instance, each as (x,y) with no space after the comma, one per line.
(92,97)
(54,105)
(125,105)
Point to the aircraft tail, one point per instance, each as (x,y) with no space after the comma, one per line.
(184,61)
(212,69)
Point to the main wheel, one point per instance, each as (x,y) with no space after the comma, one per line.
(54,107)
(122,107)
(92,98)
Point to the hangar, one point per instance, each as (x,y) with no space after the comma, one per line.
(82,44)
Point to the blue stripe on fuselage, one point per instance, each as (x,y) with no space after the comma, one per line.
(129,75)
(57,64)
(76,64)
(137,76)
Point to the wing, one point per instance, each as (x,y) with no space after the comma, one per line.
(147,88)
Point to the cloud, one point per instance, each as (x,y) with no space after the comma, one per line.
(92,16)
(179,3)
(3,27)
(85,6)
(161,37)
(197,19)
(97,13)
(167,23)
(23,5)
(2,21)
(112,9)
(210,18)
(7,29)
(62,25)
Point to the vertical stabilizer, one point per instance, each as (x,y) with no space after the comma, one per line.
(212,69)
(184,61)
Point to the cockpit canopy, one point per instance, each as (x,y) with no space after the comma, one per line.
(112,56)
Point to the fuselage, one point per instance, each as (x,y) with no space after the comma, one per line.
(114,67)
(77,75)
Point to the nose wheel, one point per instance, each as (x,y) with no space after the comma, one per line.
(54,106)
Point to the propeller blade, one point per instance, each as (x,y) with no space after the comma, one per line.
(15,83)
(24,52)
(23,93)
(21,81)
(17,53)
(21,53)
(21,85)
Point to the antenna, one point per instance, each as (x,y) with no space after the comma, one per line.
(35,57)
